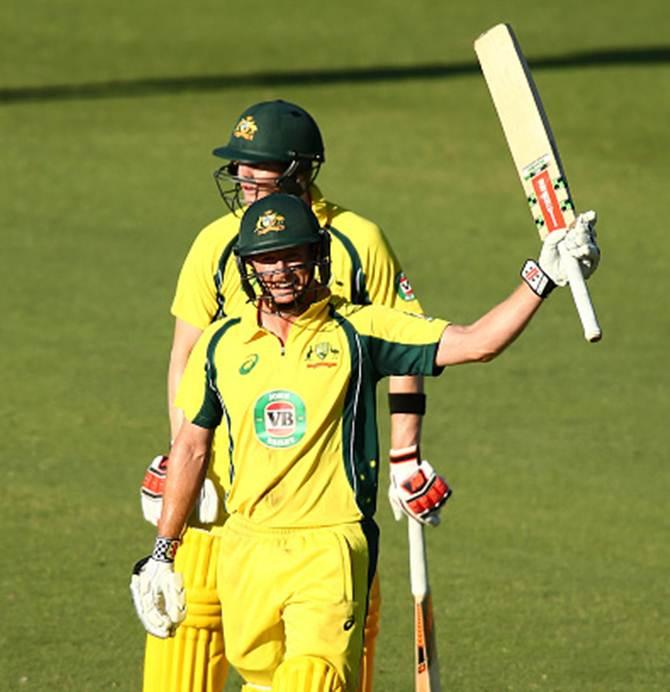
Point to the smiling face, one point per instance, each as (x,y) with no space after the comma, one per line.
(285,275)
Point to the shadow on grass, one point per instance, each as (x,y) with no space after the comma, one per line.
(381,73)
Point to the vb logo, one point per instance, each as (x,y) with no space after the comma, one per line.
(280,419)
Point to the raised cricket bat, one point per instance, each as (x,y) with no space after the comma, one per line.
(426,670)
(534,151)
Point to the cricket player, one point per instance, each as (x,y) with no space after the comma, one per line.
(287,391)
(274,146)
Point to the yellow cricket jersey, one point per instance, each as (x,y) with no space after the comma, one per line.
(363,267)
(296,425)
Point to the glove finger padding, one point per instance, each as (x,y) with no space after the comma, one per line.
(550,258)
(580,243)
(158,596)
(396,505)
(207,504)
(418,490)
(425,493)
(174,597)
(151,492)
(153,620)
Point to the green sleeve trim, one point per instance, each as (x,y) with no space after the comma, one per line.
(359,291)
(392,358)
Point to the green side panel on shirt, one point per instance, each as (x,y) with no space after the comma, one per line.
(359,422)
(359,291)
(211,410)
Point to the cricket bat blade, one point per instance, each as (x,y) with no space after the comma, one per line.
(533,147)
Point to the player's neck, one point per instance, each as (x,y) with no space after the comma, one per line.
(276,323)
(278,319)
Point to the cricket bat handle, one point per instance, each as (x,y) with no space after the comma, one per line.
(418,572)
(580,294)
(427,672)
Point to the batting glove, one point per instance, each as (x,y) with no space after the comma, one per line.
(151,494)
(415,489)
(158,593)
(579,242)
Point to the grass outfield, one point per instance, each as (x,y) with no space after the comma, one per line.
(550,571)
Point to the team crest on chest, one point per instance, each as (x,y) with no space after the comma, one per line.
(270,221)
(280,419)
(246,128)
(323,355)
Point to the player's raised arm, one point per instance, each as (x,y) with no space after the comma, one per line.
(491,334)
(486,338)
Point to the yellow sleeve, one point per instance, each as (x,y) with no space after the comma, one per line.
(385,281)
(194,395)
(196,296)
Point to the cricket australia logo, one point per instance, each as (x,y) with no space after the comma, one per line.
(322,355)
(280,419)
(404,287)
(270,221)
(246,128)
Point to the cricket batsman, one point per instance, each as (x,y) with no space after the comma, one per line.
(274,146)
(287,392)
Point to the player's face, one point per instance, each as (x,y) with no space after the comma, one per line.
(285,274)
(258,180)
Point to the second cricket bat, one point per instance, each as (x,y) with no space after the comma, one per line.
(426,670)
(534,151)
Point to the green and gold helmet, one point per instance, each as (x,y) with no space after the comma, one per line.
(272,132)
(280,222)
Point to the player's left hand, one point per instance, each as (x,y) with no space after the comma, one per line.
(578,242)
(153,485)
(416,490)
(158,596)
(151,491)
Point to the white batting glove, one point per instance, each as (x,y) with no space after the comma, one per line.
(158,593)
(579,242)
(151,494)
(207,504)
(415,489)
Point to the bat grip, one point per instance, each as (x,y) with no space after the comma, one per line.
(418,568)
(580,294)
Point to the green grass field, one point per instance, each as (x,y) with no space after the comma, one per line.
(550,571)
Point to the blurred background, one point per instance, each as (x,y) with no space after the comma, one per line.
(550,570)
